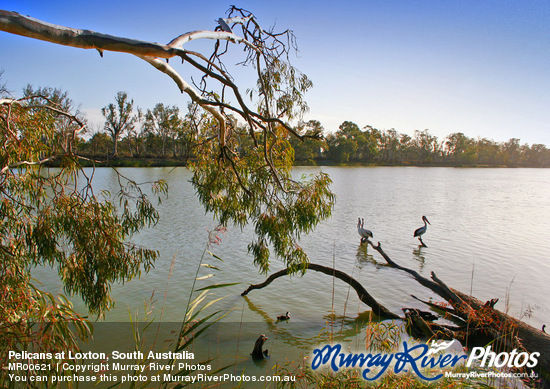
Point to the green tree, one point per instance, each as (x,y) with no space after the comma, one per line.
(488,152)
(460,150)
(537,155)
(252,187)
(340,148)
(164,122)
(389,142)
(511,152)
(426,146)
(406,148)
(345,143)
(100,145)
(54,218)
(136,135)
(309,149)
(369,149)
(119,118)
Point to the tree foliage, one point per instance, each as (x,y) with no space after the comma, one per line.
(163,122)
(53,217)
(250,186)
(119,118)
(280,210)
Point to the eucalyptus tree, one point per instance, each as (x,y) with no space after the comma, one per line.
(460,149)
(370,148)
(511,152)
(390,145)
(343,144)
(537,155)
(119,118)
(164,122)
(239,188)
(310,149)
(99,145)
(54,218)
(427,146)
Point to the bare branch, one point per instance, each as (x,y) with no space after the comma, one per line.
(205,34)
(362,293)
(18,24)
(185,87)
(28,163)
(151,52)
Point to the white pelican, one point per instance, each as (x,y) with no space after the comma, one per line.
(363,233)
(420,231)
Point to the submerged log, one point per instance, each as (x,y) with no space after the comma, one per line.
(362,293)
(480,323)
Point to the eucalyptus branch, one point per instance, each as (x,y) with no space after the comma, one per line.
(26,26)
(10,102)
(263,171)
(28,163)
(239,179)
(185,87)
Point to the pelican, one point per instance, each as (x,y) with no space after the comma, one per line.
(543,328)
(258,353)
(286,316)
(363,233)
(420,231)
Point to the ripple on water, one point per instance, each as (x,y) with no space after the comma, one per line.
(489,232)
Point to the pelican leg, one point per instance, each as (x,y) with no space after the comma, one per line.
(423,244)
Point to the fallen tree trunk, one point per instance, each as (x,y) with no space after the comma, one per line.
(480,323)
(364,296)
(511,332)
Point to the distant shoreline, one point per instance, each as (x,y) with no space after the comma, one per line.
(174,162)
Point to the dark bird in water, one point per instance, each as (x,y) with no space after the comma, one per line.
(223,24)
(286,316)
(363,233)
(543,328)
(259,353)
(420,231)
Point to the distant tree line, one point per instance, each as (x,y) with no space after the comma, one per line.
(166,136)
(352,145)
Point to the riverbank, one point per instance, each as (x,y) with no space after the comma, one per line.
(177,162)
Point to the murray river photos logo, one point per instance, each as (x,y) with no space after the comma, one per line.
(416,359)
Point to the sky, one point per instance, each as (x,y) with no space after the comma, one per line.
(477,67)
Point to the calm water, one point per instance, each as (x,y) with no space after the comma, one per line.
(489,236)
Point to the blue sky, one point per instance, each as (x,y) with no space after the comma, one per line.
(478,67)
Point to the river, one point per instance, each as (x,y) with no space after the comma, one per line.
(489,236)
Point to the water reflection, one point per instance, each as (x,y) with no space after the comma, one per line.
(280,330)
(419,256)
(298,333)
(471,201)
(363,257)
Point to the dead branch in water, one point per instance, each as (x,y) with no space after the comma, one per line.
(479,323)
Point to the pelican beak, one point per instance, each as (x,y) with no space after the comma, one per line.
(427,221)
